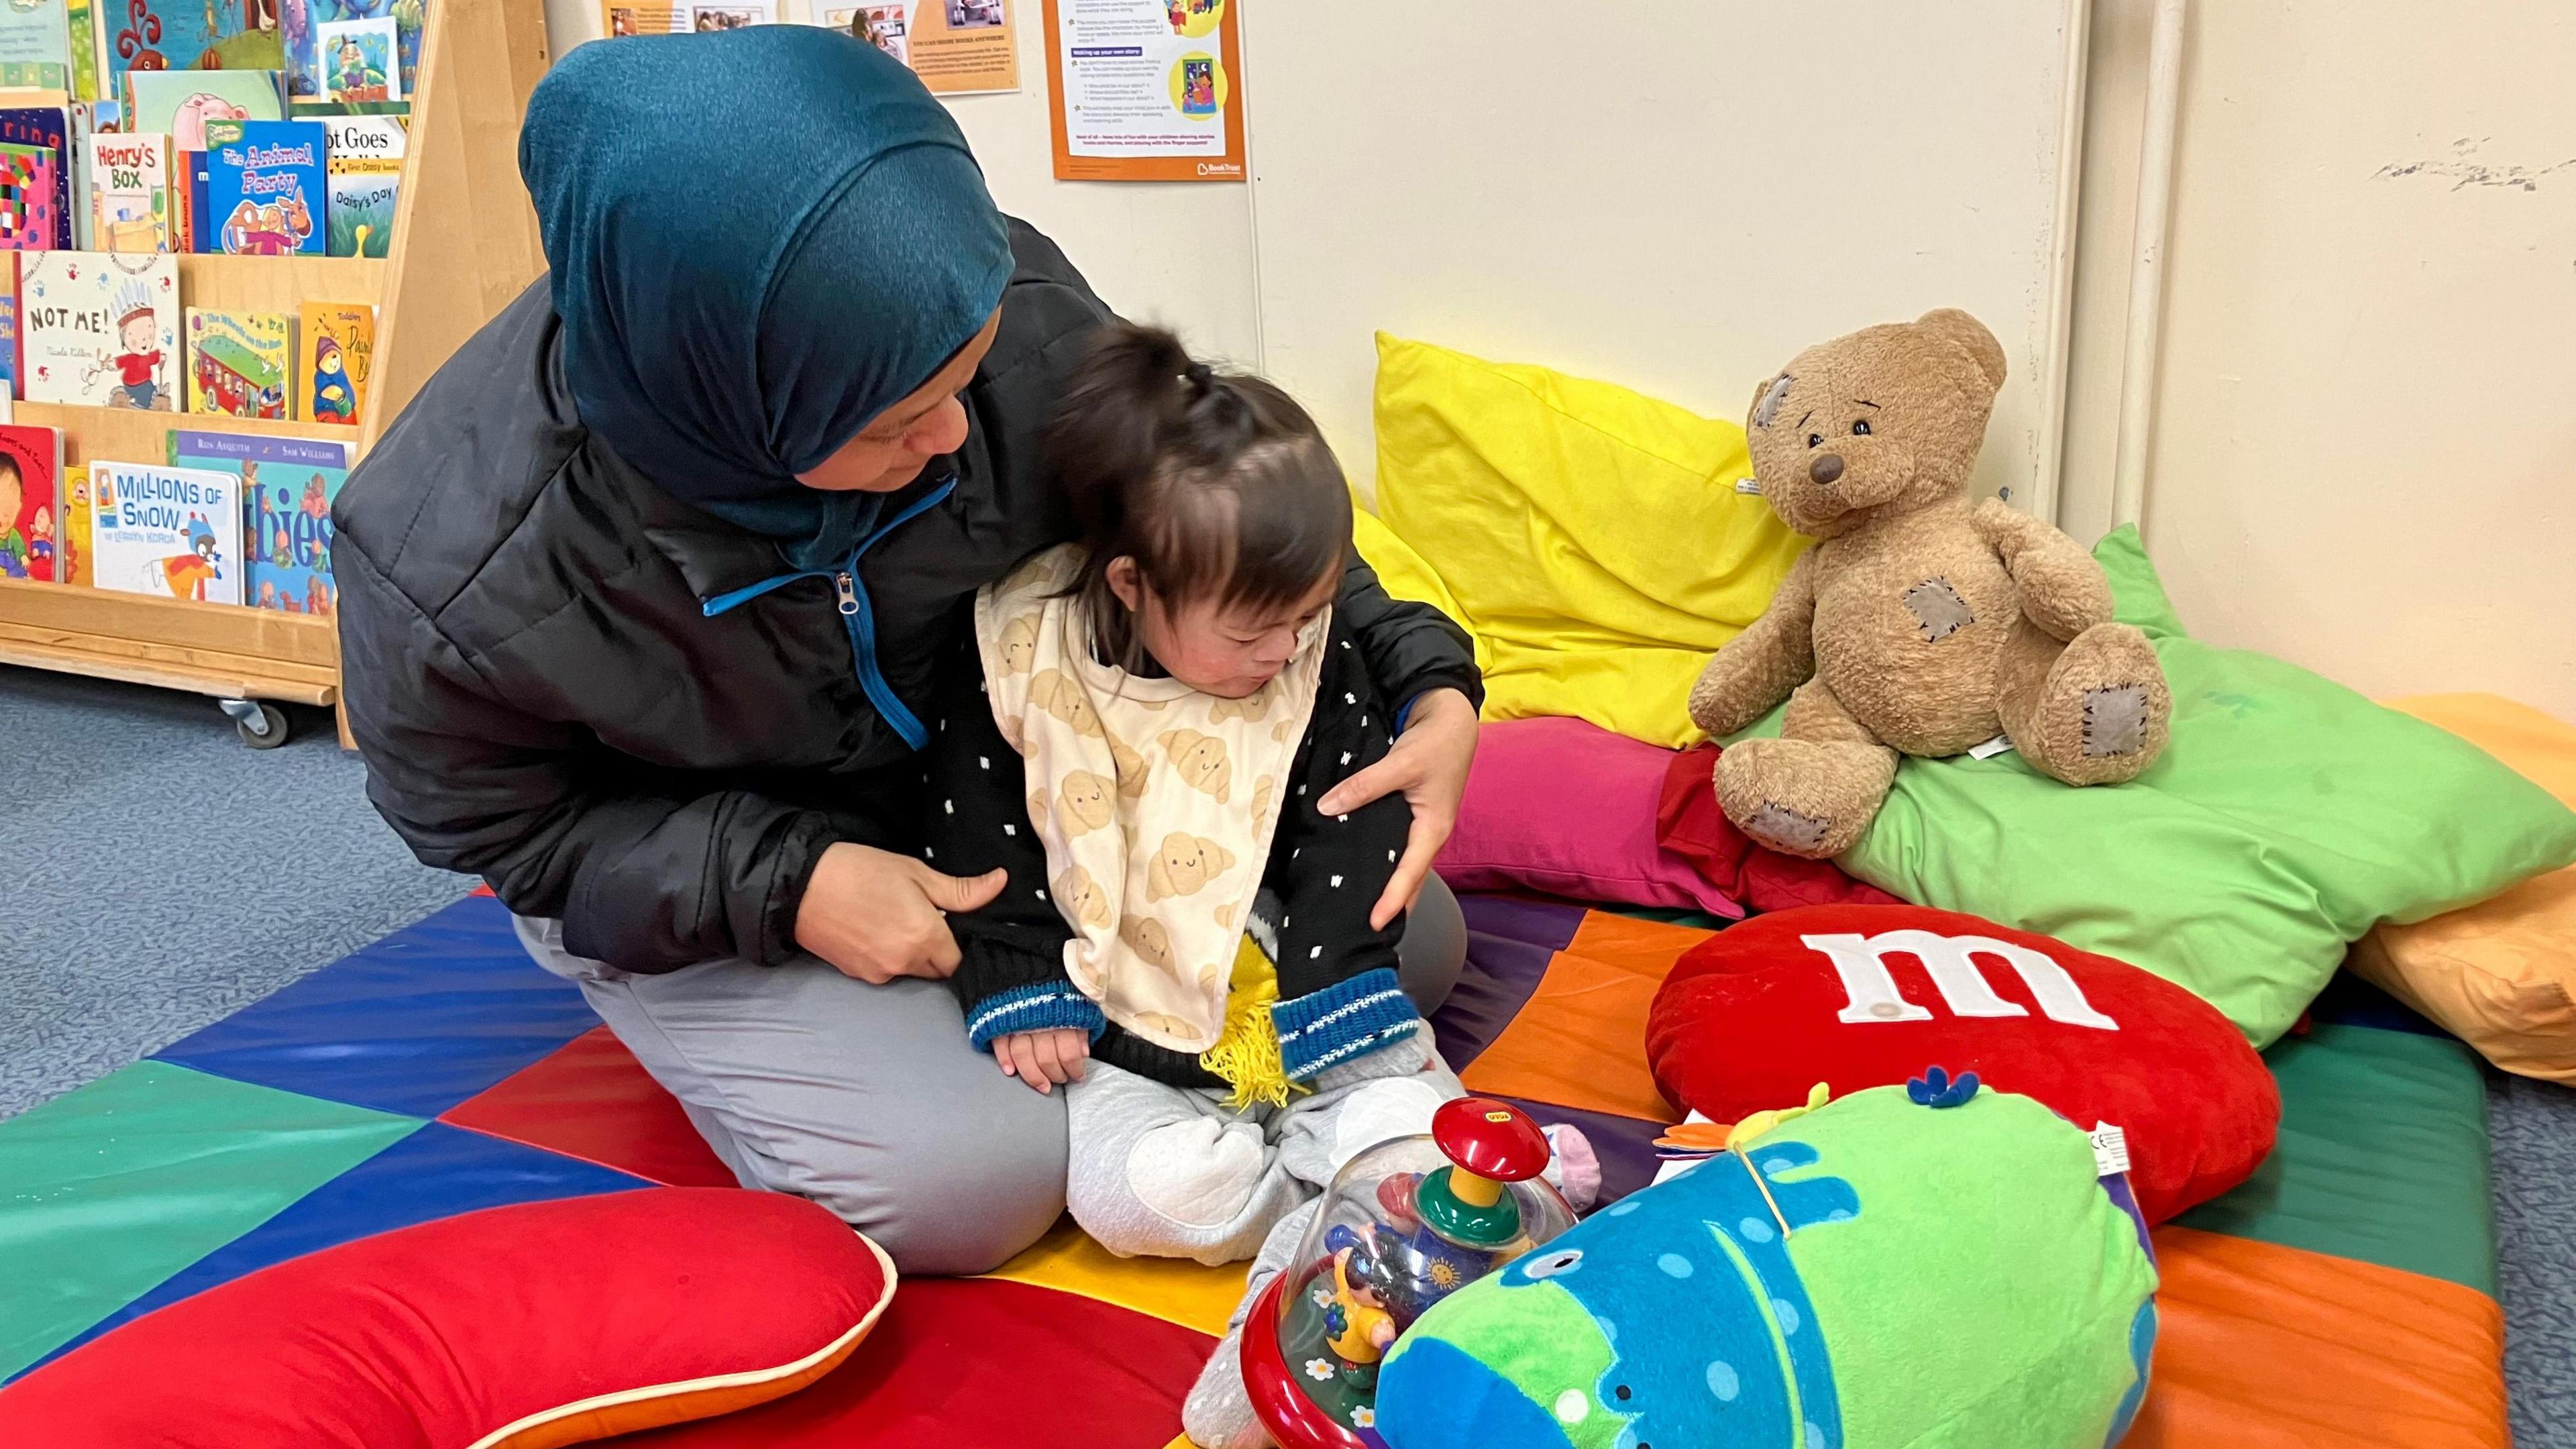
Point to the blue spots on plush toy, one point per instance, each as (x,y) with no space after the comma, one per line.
(1711,1231)
(2142,1348)
(1937,1088)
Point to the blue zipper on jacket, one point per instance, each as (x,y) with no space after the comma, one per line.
(857,616)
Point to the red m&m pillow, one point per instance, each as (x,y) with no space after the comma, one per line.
(1868,996)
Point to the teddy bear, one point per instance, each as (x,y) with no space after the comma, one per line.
(1917,625)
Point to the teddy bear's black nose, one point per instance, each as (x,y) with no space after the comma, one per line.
(1826,468)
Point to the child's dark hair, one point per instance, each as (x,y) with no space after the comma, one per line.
(1217,484)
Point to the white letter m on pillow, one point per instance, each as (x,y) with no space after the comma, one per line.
(1870,993)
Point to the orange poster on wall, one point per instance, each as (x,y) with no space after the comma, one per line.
(1146,90)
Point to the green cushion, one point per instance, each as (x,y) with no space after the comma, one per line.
(2287,817)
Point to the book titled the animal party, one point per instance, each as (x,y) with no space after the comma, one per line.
(171,532)
(100,328)
(264,188)
(336,351)
(365,163)
(129,192)
(30,458)
(240,363)
(287,488)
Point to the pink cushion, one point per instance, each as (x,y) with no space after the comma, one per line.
(1568,808)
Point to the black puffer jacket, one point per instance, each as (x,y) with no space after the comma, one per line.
(544,699)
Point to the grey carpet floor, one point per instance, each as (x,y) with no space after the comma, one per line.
(156,876)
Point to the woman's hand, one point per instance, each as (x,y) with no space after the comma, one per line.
(1043,1057)
(877,916)
(1428,766)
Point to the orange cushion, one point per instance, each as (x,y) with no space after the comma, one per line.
(2501,974)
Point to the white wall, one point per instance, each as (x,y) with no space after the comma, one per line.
(1178,254)
(1674,197)
(2365,440)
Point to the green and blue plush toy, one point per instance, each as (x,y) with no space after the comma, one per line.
(1906,1268)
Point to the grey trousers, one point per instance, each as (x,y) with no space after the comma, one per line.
(868,1100)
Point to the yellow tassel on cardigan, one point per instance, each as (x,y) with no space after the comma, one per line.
(1246,1053)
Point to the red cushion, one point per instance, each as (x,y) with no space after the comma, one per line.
(538,1324)
(1753,1017)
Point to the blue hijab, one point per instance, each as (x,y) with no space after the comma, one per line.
(760,240)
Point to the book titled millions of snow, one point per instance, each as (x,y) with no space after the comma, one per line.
(171,532)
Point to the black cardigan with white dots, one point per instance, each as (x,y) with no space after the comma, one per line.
(1338,997)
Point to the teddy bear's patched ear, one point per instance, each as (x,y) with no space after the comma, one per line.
(1767,399)
(1971,337)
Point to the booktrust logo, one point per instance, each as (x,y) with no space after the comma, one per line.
(1219,168)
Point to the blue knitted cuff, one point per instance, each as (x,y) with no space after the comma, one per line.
(1339,1023)
(1044,1006)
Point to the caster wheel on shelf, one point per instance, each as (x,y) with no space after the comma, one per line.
(262,725)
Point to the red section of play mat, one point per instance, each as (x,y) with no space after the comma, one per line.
(591,1100)
(967,1365)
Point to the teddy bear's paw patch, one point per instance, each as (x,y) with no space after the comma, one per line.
(1938,610)
(2115,720)
(1787,829)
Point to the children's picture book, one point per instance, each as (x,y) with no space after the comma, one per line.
(264,189)
(172,532)
(336,350)
(81,18)
(287,488)
(35,45)
(307,65)
(365,163)
(129,192)
(48,127)
(30,460)
(9,346)
(28,198)
(149,35)
(179,103)
(361,60)
(100,328)
(72,520)
(239,363)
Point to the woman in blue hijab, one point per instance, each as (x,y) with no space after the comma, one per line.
(640,593)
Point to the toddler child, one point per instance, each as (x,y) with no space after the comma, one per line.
(1139,738)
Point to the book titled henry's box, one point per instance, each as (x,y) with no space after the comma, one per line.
(172,532)
(265,189)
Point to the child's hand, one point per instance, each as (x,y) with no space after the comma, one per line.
(1043,1057)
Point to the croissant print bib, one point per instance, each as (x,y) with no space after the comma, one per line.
(1156,803)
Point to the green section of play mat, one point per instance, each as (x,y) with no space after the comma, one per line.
(2382,1156)
(2286,817)
(107,1190)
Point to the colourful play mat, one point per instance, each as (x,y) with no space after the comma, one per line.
(2344,1296)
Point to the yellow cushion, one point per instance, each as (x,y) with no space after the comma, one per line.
(1592,538)
(2500,974)
(1406,574)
